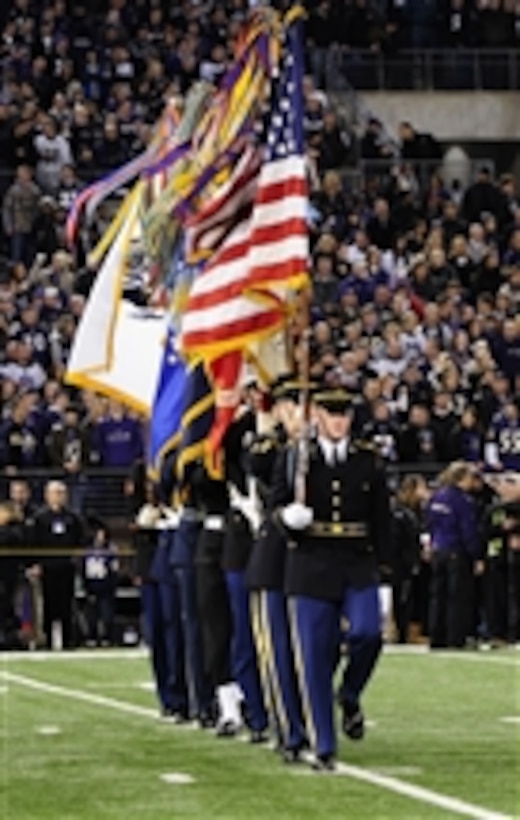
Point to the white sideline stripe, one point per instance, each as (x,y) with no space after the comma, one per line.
(76,654)
(508,659)
(511,719)
(469,655)
(392,784)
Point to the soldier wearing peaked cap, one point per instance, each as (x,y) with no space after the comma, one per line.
(339,536)
(266,576)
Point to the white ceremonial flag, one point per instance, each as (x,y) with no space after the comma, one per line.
(118,346)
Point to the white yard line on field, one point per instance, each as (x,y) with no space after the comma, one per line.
(48,730)
(392,784)
(80,695)
(177,778)
(419,793)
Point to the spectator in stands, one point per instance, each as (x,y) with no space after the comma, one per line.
(374,145)
(417,147)
(68,189)
(457,24)
(381,230)
(52,154)
(19,214)
(382,430)
(100,572)
(23,507)
(57,532)
(466,437)
(411,496)
(418,442)
(117,440)
(69,449)
(11,539)
(482,196)
(506,348)
(111,151)
(22,367)
(320,34)
(334,143)
(20,445)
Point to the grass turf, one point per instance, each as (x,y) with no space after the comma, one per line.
(437,725)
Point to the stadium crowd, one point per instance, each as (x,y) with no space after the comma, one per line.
(416,283)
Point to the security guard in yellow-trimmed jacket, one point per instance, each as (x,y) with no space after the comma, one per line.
(339,537)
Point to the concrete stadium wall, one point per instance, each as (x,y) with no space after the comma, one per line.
(451,115)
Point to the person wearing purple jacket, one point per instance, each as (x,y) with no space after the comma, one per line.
(117,439)
(455,552)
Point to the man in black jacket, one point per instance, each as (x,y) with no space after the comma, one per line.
(58,532)
(340,534)
(10,543)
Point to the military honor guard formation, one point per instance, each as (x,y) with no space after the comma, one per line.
(263,586)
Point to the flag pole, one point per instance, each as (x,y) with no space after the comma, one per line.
(304,366)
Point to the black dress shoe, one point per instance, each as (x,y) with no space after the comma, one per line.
(258,736)
(293,754)
(323,763)
(353,721)
(228,728)
(180,717)
(206,721)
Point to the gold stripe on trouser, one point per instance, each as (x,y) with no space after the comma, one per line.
(310,725)
(260,644)
(279,704)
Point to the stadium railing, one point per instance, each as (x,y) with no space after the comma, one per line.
(379,171)
(424,69)
(103,492)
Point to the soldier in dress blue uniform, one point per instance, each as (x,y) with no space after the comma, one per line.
(242,519)
(183,549)
(213,606)
(154,576)
(338,538)
(266,578)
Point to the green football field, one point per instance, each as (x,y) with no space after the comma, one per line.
(80,738)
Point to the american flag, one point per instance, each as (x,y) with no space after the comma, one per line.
(240,295)
(229,206)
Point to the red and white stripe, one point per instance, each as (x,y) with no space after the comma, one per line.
(240,293)
(208,228)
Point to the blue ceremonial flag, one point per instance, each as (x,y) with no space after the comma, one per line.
(197,418)
(169,404)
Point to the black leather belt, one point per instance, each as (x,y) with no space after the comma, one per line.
(191,514)
(338,529)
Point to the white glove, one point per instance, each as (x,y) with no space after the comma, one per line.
(297,516)
(252,514)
